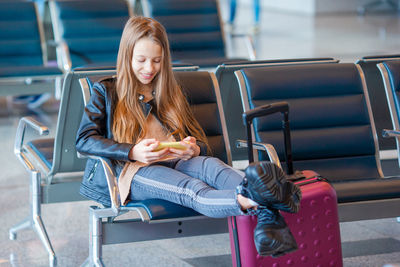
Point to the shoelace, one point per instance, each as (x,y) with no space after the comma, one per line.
(266,214)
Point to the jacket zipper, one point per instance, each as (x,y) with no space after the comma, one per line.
(91,173)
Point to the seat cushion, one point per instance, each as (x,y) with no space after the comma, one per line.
(160,209)
(367,189)
(341,169)
(44,150)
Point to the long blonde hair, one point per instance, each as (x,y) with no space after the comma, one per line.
(172,107)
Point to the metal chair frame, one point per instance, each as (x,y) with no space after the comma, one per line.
(61,182)
(389,90)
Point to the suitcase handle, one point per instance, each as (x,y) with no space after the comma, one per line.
(264,110)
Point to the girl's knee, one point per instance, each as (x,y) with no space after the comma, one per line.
(213,160)
(206,160)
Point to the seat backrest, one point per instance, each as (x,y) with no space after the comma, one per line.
(193,27)
(330,117)
(230,94)
(69,117)
(21,34)
(377,96)
(202,91)
(390,71)
(90,29)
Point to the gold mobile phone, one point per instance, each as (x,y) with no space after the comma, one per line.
(163,145)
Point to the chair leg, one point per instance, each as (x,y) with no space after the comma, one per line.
(20,226)
(41,232)
(35,220)
(95,240)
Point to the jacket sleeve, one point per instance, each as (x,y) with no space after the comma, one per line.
(203,148)
(92,134)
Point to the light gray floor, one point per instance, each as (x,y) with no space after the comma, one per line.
(368,243)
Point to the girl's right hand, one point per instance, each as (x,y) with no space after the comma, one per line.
(143,151)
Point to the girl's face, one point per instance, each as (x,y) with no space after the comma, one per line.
(146,60)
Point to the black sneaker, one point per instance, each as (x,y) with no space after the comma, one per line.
(272,236)
(266,184)
(291,201)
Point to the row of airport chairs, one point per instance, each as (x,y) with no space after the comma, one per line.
(87,33)
(23,65)
(333,133)
(373,78)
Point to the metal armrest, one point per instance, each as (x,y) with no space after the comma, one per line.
(273,156)
(64,57)
(63,53)
(33,124)
(390,133)
(248,40)
(112,183)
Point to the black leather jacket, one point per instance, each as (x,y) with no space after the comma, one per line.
(94,137)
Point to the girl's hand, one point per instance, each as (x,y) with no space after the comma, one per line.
(192,149)
(143,151)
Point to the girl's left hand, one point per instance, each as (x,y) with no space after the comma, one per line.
(192,149)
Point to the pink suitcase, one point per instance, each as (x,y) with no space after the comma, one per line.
(315,227)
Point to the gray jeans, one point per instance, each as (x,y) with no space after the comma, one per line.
(205,184)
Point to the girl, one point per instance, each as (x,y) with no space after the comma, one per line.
(127,117)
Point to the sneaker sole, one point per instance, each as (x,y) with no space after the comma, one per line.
(271,180)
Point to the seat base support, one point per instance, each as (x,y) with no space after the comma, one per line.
(35,221)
